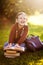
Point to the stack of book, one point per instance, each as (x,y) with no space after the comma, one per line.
(11,53)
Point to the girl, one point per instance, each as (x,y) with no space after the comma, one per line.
(18,32)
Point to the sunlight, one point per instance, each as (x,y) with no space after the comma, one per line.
(36,19)
(20,1)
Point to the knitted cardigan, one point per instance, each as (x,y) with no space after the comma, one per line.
(18,35)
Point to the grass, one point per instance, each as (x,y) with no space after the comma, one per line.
(27,58)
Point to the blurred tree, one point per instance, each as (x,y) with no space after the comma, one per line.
(9,8)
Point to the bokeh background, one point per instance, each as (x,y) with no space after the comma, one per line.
(8,11)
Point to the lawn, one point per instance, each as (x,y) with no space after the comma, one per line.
(27,58)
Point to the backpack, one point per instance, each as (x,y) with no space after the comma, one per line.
(34,43)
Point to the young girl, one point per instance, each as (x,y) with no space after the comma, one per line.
(18,32)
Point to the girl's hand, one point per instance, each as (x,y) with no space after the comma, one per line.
(17,45)
(9,45)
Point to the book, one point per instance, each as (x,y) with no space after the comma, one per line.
(15,49)
(9,54)
(11,51)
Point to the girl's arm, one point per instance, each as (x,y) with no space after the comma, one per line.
(24,35)
(11,36)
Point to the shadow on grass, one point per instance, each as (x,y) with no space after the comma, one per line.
(26,58)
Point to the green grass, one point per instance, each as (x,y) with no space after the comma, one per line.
(27,58)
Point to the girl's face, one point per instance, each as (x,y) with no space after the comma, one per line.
(22,19)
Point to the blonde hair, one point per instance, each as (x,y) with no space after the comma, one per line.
(20,13)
